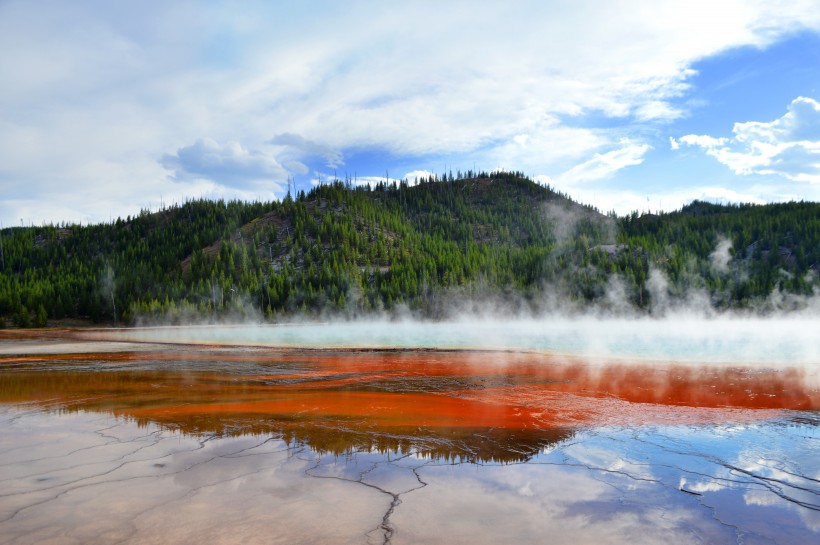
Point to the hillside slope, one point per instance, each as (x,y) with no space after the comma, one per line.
(429,248)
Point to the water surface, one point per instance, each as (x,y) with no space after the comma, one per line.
(682,338)
(124,440)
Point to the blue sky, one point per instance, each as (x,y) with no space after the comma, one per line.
(108,108)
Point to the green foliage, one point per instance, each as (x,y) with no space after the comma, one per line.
(22,318)
(41,318)
(768,248)
(352,250)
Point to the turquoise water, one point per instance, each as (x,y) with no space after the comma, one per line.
(686,340)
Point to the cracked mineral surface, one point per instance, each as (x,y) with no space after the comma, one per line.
(125,442)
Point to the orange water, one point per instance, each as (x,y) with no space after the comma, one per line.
(414,395)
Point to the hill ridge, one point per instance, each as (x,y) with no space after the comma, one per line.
(396,247)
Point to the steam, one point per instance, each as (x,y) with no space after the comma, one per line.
(658,287)
(108,288)
(565,219)
(724,340)
(553,302)
(676,325)
(679,321)
(234,308)
(721,255)
(562,219)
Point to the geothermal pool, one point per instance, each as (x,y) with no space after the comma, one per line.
(685,338)
(471,432)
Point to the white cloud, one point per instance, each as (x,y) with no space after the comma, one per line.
(723,195)
(115,84)
(543,179)
(229,164)
(544,143)
(657,109)
(703,141)
(624,201)
(603,165)
(788,146)
(299,147)
(415,175)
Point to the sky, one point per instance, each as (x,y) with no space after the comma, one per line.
(110,108)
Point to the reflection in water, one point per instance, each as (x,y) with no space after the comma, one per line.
(83,477)
(244,445)
(482,406)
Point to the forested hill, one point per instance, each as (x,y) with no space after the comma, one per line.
(341,249)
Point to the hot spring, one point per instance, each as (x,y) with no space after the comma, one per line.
(686,429)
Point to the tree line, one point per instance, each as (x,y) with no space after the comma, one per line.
(354,250)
